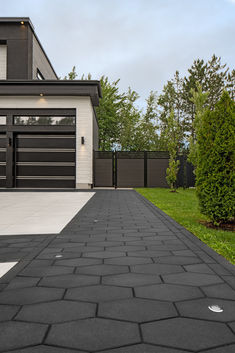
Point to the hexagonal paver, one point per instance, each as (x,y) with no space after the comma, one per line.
(70,255)
(20,334)
(131,279)
(84,249)
(7,312)
(32,295)
(188,334)
(223,291)
(68,281)
(104,254)
(80,261)
(98,293)
(199,309)
(232,325)
(128,260)
(143,348)
(199,268)
(192,279)
(157,269)
(126,248)
(46,349)
(137,310)
(44,271)
(55,312)
(93,334)
(102,270)
(170,292)
(22,282)
(149,253)
(224,349)
(178,260)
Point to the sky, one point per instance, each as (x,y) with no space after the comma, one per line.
(140,42)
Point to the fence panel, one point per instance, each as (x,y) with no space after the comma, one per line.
(130,169)
(103,169)
(157,163)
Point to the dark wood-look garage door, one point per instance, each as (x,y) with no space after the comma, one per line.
(45,160)
(2,160)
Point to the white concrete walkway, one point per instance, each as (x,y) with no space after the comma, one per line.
(39,212)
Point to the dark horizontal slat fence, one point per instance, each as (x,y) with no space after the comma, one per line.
(138,169)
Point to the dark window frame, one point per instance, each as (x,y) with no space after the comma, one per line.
(39,75)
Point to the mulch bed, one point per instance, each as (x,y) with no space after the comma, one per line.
(230,226)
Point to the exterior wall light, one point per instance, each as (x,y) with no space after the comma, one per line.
(82,140)
(22,22)
(41,94)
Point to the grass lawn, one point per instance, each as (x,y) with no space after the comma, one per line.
(183,207)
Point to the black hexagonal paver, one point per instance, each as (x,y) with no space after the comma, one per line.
(55,312)
(136,310)
(44,271)
(32,295)
(223,291)
(192,279)
(131,279)
(128,260)
(93,334)
(188,334)
(157,269)
(178,260)
(149,253)
(68,281)
(126,248)
(7,312)
(80,261)
(199,268)
(104,254)
(169,292)
(46,349)
(199,309)
(20,334)
(102,270)
(144,348)
(23,282)
(224,349)
(98,293)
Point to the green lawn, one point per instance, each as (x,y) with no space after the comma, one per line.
(183,207)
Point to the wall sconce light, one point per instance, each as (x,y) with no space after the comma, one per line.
(82,140)
(41,94)
(22,22)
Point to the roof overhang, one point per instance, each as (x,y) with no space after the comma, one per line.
(89,88)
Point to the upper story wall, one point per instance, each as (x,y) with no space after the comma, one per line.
(22,52)
(41,63)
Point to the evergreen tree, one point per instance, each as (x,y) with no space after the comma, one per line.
(215,173)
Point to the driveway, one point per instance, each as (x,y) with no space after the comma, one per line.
(121,277)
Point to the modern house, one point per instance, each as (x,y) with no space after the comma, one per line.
(48,127)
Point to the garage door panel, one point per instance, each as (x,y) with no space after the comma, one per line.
(33,169)
(47,141)
(45,156)
(44,183)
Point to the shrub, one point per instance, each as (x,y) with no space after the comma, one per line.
(215,169)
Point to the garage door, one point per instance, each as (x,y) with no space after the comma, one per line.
(2,160)
(45,160)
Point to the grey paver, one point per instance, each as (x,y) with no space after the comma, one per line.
(8,311)
(98,293)
(223,291)
(137,310)
(32,295)
(78,262)
(157,269)
(187,333)
(128,260)
(46,349)
(199,268)
(102,270)
(94,334)
(169,292)
(55,312)
(45,271)
(192,279)
(144,348)
(23,282)
(68,281)
(131,279)
(178,260)
(20,334)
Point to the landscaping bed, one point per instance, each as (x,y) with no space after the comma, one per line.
(182,206)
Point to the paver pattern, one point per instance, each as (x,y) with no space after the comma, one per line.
(122,277)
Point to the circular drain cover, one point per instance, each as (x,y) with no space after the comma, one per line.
(95,220)
(215,308)
(59,256)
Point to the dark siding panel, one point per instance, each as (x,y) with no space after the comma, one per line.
(45,170)
(40,183)
(45,156)
(46,142)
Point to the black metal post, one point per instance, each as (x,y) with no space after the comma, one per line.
(115,169)
(145,169)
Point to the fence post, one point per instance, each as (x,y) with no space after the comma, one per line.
(145,169)
(115,169)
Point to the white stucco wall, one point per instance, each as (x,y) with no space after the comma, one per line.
(3,62)
(84,127)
